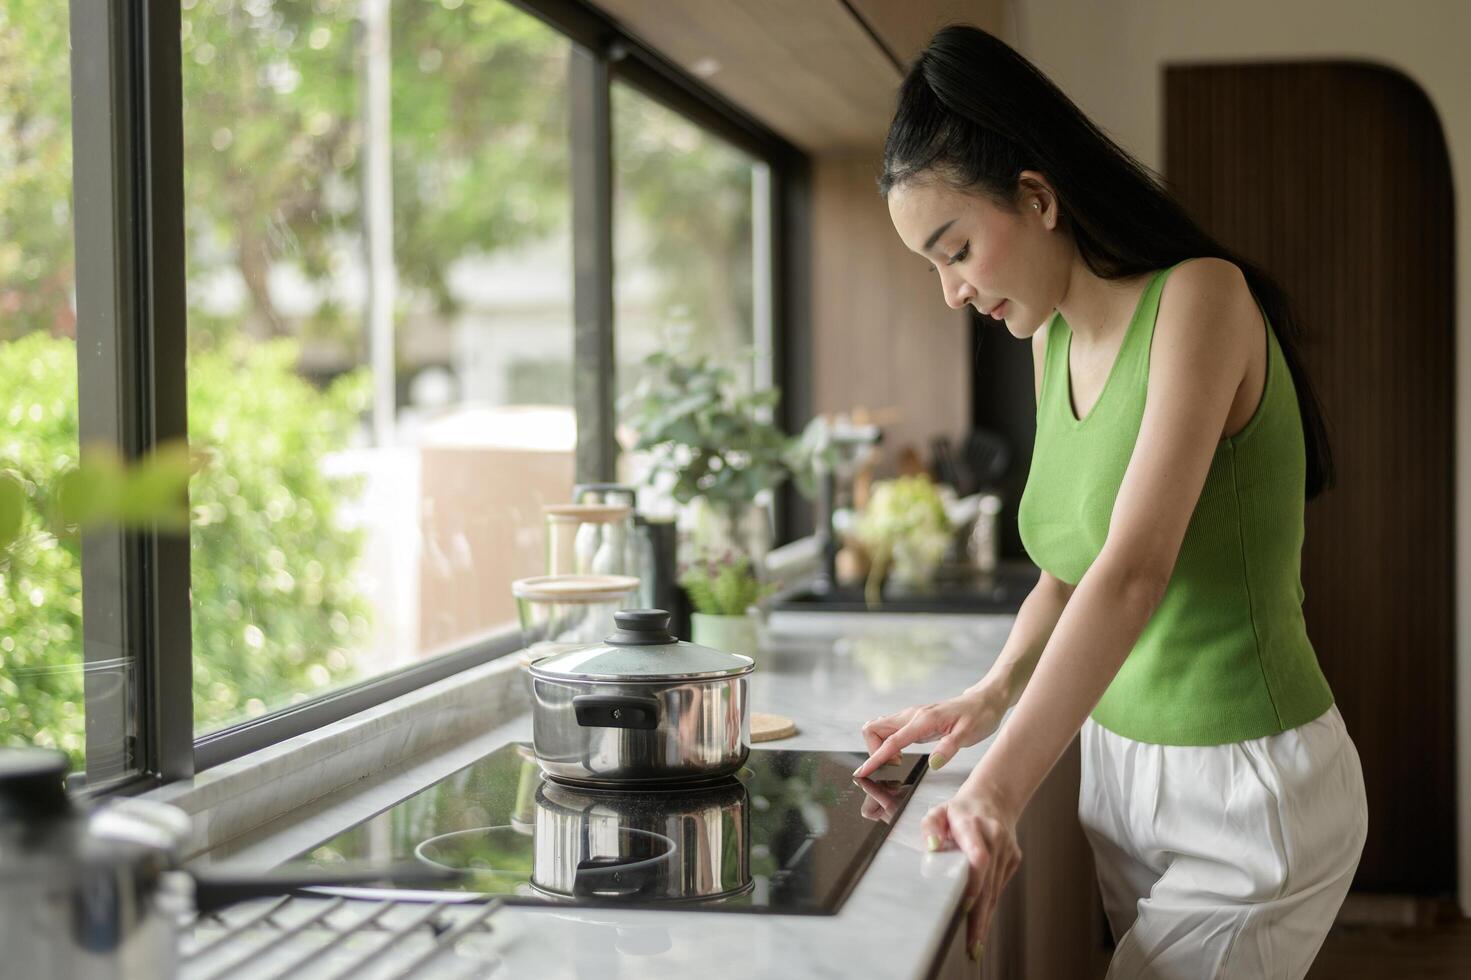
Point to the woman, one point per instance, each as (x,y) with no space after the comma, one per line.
(1178,438)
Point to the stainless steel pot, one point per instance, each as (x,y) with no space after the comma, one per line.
(101,893)
(630,846)
(642,708)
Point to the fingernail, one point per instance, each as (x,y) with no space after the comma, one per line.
(937,760)
(932,843)
(976,949)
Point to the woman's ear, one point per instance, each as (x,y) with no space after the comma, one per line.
(1035,195)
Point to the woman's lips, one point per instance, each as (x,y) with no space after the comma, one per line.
(998,311)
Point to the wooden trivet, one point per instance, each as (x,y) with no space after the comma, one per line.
(769,728)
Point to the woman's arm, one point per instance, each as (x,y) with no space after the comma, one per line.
(975,713)
(1035,621)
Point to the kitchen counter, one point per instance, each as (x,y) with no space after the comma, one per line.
(899,920)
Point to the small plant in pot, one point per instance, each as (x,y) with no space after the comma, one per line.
(723,593)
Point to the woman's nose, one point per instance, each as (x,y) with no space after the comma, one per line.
(958,293)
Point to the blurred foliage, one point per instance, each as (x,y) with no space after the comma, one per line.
(40,574)
(697,425)
(36,264)
(273,143)
(103,491)
(692,194)
(905,530)
(710,438)
(275,611)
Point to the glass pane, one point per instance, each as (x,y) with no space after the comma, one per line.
(380,333)
(41,651)
(682,241)
(687,280)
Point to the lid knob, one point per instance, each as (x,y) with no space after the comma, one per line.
(641,627)
(32,783)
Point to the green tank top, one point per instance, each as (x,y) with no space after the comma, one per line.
(1226,655)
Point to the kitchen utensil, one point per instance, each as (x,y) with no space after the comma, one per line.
(641,708)
(589,539)
(559,612)
(101,892)
(988,457)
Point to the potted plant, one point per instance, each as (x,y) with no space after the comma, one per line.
(905,531)
(715,449)
(723,593)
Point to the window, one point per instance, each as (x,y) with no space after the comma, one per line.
(685,273)
(42,687)
(331,242)
(380,333)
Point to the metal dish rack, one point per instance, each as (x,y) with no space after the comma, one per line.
(329,938)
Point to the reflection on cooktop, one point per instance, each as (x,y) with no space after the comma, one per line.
(790,833)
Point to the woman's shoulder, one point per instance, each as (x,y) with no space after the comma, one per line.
(1208,273)
(1206,304)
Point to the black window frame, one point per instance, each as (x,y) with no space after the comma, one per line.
(128,190)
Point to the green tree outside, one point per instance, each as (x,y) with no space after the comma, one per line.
(273,151)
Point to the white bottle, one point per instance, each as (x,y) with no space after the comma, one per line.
(612,553)
(585,546)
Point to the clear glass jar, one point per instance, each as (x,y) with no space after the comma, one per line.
(558,612)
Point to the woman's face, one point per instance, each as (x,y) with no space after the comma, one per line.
(985,255)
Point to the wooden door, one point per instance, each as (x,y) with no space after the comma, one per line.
(1334,177)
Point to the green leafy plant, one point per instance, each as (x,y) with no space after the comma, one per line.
(715,441)
(723,588)
(697,426)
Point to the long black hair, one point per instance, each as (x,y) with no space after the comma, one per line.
(974,113)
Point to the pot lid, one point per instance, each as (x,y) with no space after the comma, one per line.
(642,649)
(574,588)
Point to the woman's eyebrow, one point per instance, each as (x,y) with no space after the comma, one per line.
(929,243)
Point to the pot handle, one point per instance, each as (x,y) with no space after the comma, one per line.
(214,890)
(612,877)
(616,711)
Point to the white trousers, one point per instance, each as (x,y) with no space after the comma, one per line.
(1223,861)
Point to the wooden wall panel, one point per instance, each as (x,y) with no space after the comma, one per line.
(882,334)
(1335,178)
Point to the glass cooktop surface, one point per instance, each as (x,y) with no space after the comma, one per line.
(791,833)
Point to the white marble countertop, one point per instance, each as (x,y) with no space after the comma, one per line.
(891,925)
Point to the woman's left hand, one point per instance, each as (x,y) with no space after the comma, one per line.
(984,830)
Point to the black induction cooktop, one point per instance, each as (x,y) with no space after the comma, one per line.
(790,834)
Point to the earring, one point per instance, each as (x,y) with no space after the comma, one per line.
(1036,205)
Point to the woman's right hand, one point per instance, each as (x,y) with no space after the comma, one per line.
(958,722)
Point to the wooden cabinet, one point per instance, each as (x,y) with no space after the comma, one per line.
(1335,179)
